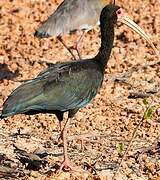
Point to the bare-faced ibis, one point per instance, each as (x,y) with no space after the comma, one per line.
(67,87)
(72,15)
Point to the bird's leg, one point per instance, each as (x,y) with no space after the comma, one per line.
(60,126)
(61,40)
(77,44)
(66,164)
(60,129)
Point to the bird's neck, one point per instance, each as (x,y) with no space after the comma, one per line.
(107,38)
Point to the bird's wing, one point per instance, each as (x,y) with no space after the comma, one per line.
(69,16)
(74,88)
(61,87)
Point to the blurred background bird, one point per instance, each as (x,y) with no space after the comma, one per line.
(72,15)
(67,87)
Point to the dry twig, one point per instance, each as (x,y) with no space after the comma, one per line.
(130,142)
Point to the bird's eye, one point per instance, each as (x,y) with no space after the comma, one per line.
(119,12)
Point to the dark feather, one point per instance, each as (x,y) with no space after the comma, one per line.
(65,86)
(62,87)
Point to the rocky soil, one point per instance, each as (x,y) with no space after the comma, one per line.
(100,133)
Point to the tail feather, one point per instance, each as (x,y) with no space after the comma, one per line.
(41,34)
(1,116)
(26,95)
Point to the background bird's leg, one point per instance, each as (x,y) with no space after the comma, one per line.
(61,40)
(66,162)
(76,46)
(60,126)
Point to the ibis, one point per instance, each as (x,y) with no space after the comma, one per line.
(72,15)
(69,86)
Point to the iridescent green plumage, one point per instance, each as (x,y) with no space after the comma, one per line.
(65,86)
(62,87)
(69,86)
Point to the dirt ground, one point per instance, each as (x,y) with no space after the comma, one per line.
(99,133)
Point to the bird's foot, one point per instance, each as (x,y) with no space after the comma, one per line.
(67,166)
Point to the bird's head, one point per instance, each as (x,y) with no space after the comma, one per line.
(109,14)
(112,13)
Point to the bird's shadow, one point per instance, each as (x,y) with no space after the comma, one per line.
(6,73)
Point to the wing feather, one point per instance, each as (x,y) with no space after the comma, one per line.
(61,87)
(69,16)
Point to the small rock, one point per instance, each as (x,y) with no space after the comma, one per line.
(34,174)
(151,167)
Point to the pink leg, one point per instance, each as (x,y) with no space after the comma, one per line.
(77,44)
(60,126)
(66,164)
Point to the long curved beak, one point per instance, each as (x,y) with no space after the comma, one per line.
(126,20)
